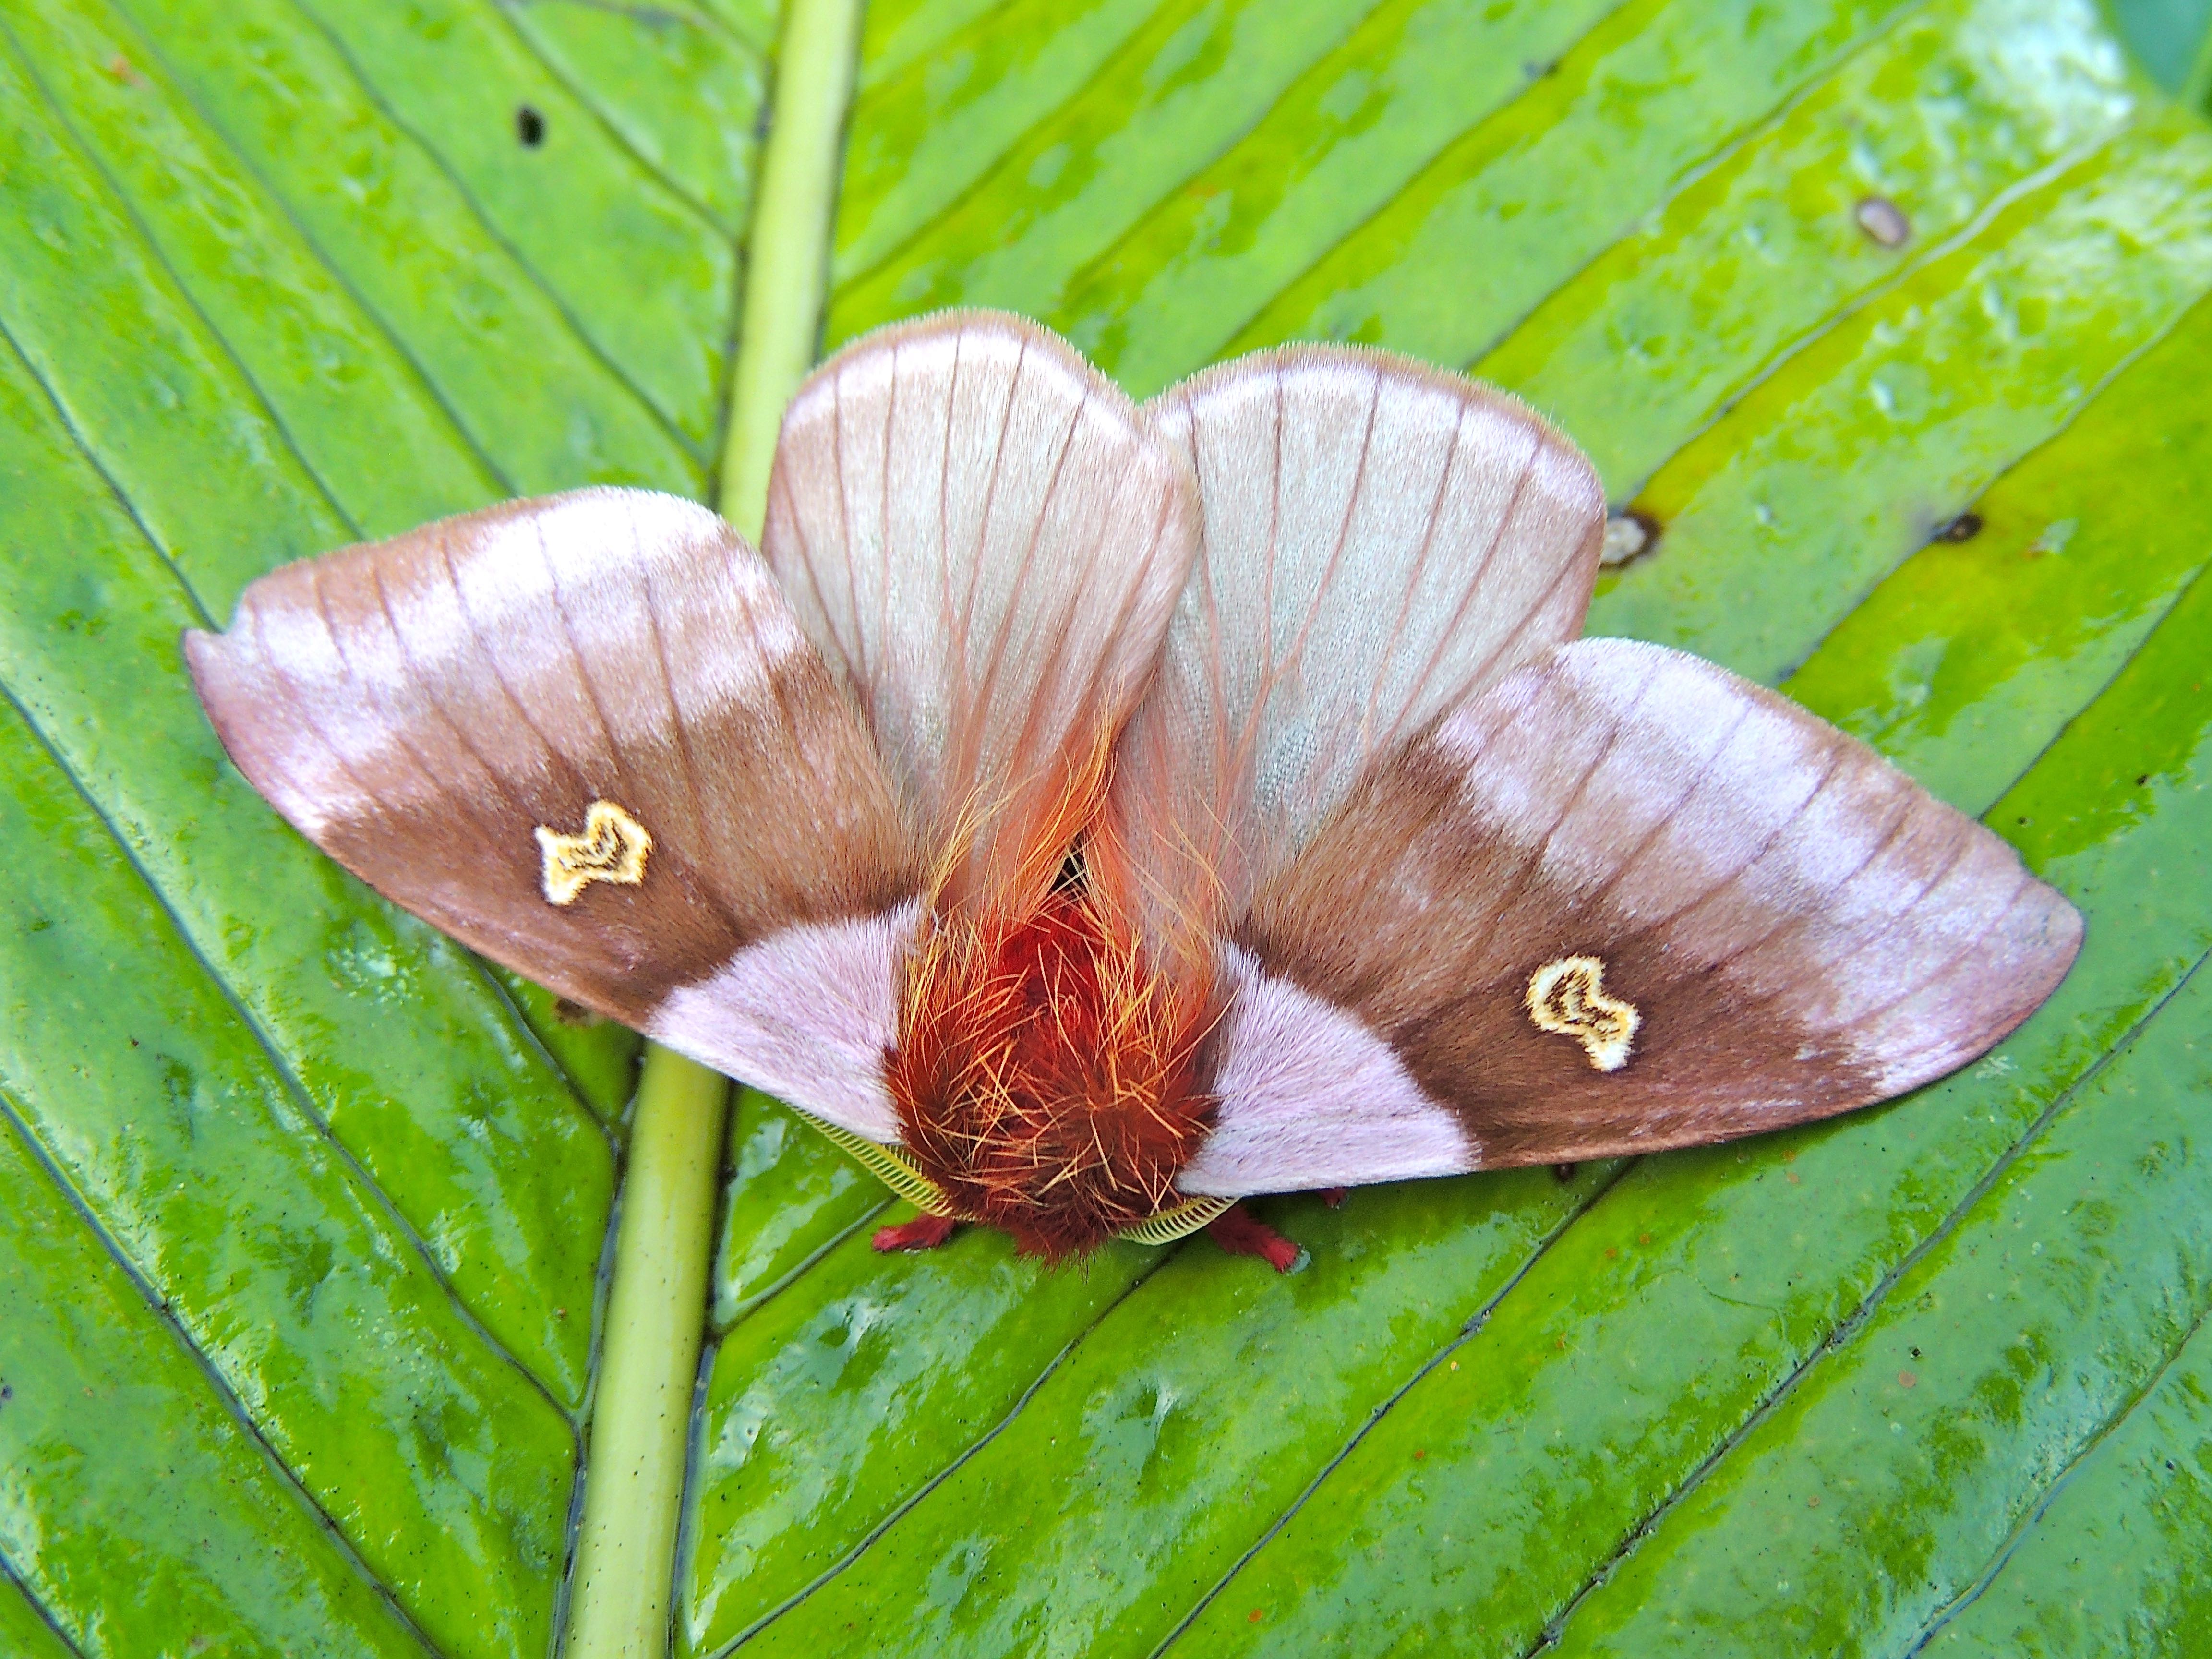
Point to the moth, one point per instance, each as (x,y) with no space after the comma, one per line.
(1093,814)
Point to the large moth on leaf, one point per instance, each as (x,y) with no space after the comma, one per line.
(1094,814)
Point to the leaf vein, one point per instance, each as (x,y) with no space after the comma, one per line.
(599,353)
(85,447)
(1857,1319)
(2054,1489)
(2014,463)
(1468,1332)
(159,256)
(922,1491)
(1112,74)
(1734,144)
(236,1406)
(752,1304)
(282,205)
(1821,328)
(294,1088)
(509,12)
(521,1028)
(9,1575)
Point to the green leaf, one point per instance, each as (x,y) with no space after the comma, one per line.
(305,1215)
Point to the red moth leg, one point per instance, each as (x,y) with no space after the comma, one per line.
(1240,1233)
(924,1232)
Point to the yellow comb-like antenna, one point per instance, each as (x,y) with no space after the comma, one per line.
(1181,1222)
(888,1164)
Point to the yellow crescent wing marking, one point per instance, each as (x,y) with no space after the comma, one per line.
(613,848)
(1569,997)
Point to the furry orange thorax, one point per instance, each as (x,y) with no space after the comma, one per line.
(1047,1076)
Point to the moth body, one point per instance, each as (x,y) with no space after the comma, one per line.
(1094,815)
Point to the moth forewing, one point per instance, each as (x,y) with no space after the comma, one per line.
(584,734)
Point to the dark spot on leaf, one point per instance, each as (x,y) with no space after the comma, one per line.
(1628,534)
(2142,778)
(1563,1172)
(1963,528)
(1915,1352)
(574,1013)
(8,1393)
(530,127)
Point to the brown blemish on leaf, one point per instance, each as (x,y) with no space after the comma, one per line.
(1628,534)
(1883,221)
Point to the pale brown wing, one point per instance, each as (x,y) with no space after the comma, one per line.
(1380,540)
(1622,900)
(584,735)
(985,536)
